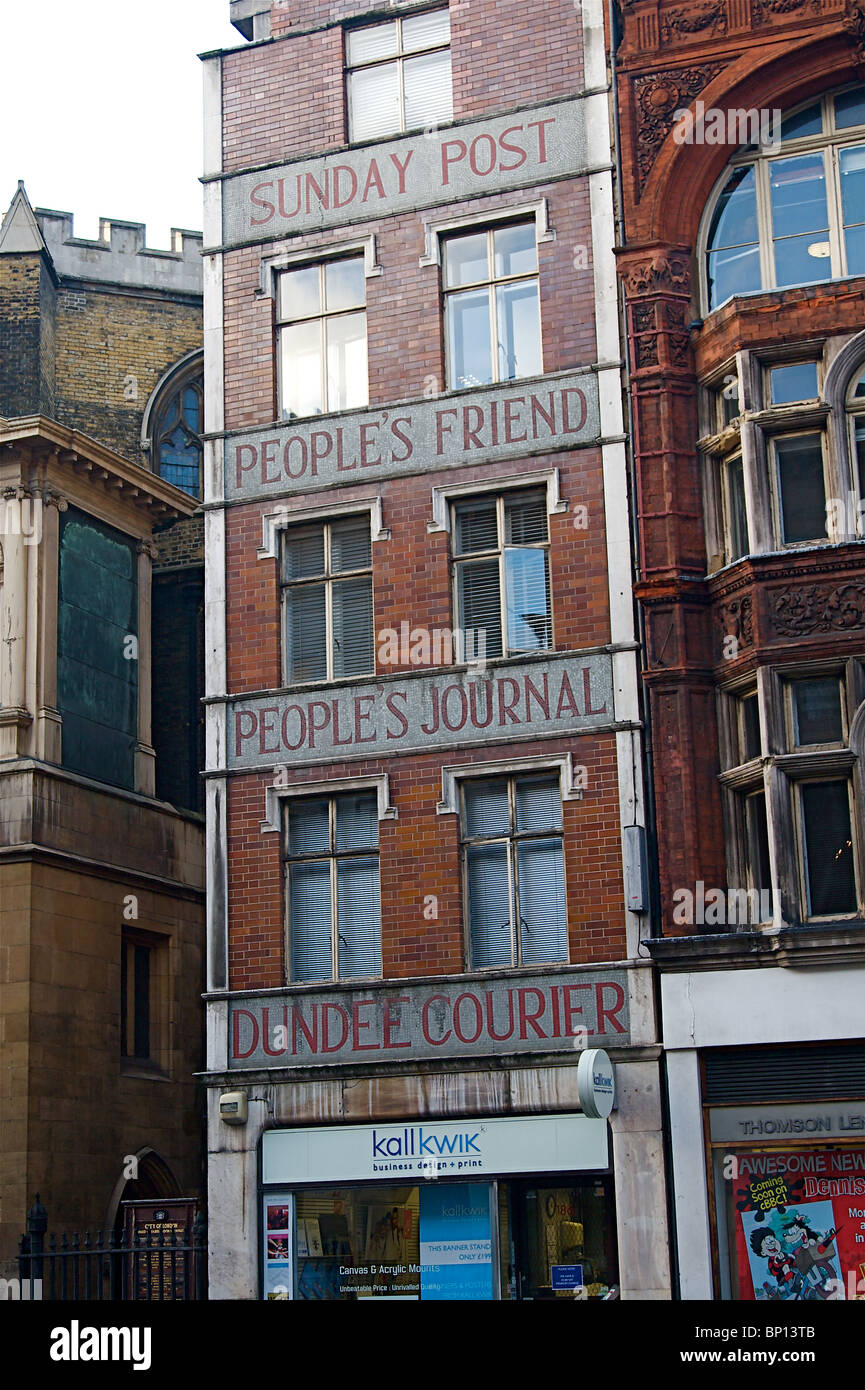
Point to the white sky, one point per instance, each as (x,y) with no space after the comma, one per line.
(101,107)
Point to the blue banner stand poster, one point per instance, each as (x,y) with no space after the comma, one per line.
(456,1242)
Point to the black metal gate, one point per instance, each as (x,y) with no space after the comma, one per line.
(152,1266)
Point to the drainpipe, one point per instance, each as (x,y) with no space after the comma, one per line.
(648,759)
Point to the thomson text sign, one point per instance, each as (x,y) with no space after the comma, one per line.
(560,1012)
(418,171)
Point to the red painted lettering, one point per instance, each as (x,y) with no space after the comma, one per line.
(440,1015)
(326,1044)
(241,734)
(449,159)
(235,1036)
(359,1025)
(479,1018)
(527,1018)
(604,1012)
(261,203)
(391,1022)
(397,714)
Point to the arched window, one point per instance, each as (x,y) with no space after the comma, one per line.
(856,411)
(172,425)
(793,212)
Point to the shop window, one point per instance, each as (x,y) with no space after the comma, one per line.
(399,75)
(326,590)
(321,337)
(501,570)
(800,488)
(97,649)
(492,305)
(443,1240)
(332,887)
(514,871)
(792,212)
(142,970)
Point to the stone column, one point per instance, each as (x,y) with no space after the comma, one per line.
(15,717)
(47,732)
(638,1167)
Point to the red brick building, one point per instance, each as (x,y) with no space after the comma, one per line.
(743,273)
(426,844)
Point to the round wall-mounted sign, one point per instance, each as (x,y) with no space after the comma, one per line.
(596,1084)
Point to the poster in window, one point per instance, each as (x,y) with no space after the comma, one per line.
(800,1224)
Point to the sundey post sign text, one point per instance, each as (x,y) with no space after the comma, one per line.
(418,171)
(526,700)
(559,1012)
(553,412)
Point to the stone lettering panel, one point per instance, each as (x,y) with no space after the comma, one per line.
(560,1011)
(417,171)
(560,695)
(526,417)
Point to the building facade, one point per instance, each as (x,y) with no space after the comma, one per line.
(101,842)
(743,274)
(426,842)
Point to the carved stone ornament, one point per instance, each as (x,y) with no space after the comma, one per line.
(736,619)
(665,273)
(854,25)
(799,609)
(658,97)
(762,10)
(677,24)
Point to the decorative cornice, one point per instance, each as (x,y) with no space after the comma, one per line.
(807,945)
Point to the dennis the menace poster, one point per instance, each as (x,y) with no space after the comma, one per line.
(800,1224)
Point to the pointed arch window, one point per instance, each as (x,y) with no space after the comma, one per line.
(173,423)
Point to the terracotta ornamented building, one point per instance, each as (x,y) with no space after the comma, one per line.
(426,884)
(743,277)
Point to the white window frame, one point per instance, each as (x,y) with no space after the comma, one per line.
(310,791)
(397,60)
(326,517)
(828,142)
(488,226)
(512,770)
(492,490)
(272,267)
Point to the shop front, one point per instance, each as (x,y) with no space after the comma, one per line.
(789,1196)
(767,1128)
(477,1209)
